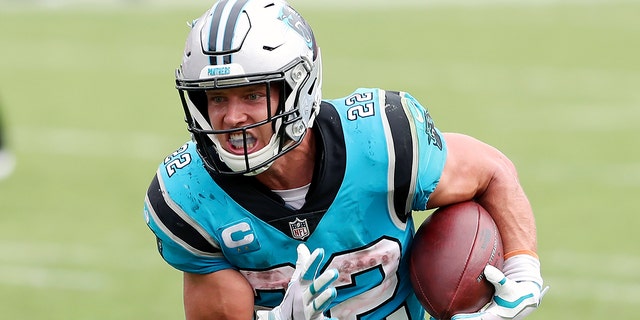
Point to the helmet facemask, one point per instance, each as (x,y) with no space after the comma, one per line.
(287,122)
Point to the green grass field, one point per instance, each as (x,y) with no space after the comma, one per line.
(88,98)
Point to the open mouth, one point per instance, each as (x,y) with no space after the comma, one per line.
(236,141)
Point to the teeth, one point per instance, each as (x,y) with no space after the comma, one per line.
(236,139)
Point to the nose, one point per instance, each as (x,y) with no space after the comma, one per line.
(235,114)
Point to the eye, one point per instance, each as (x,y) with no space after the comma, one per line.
(254,96)
(212,98)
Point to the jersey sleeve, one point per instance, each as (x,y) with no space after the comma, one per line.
(182,241)
(432,152)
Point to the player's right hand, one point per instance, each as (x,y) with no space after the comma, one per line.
(512,300)
(308,295)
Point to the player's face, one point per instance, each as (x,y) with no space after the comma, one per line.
(237,107)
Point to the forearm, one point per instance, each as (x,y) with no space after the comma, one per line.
(510,208)
(221,295)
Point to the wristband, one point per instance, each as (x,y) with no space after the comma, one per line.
(517,252)
(523,267)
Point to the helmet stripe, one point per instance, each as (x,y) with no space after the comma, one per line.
(213,31)
(223,21)
(230,28)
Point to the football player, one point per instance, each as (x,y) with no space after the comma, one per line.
(288,206)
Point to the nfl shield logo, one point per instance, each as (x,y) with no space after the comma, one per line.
(299,229)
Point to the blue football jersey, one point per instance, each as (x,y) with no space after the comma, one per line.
(379,157)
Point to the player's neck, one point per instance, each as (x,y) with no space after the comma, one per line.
(294,169)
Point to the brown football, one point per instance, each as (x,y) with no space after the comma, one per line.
(448,255)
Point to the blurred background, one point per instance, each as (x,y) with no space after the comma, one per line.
(89,109)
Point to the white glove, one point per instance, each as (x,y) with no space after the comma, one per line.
(307,296)
(517,295)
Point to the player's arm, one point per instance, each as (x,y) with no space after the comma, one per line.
(475,170)
(212,289)
(226,294)
(223,294)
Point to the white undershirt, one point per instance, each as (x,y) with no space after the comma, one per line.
(294,198)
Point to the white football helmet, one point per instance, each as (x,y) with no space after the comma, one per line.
(247,42)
